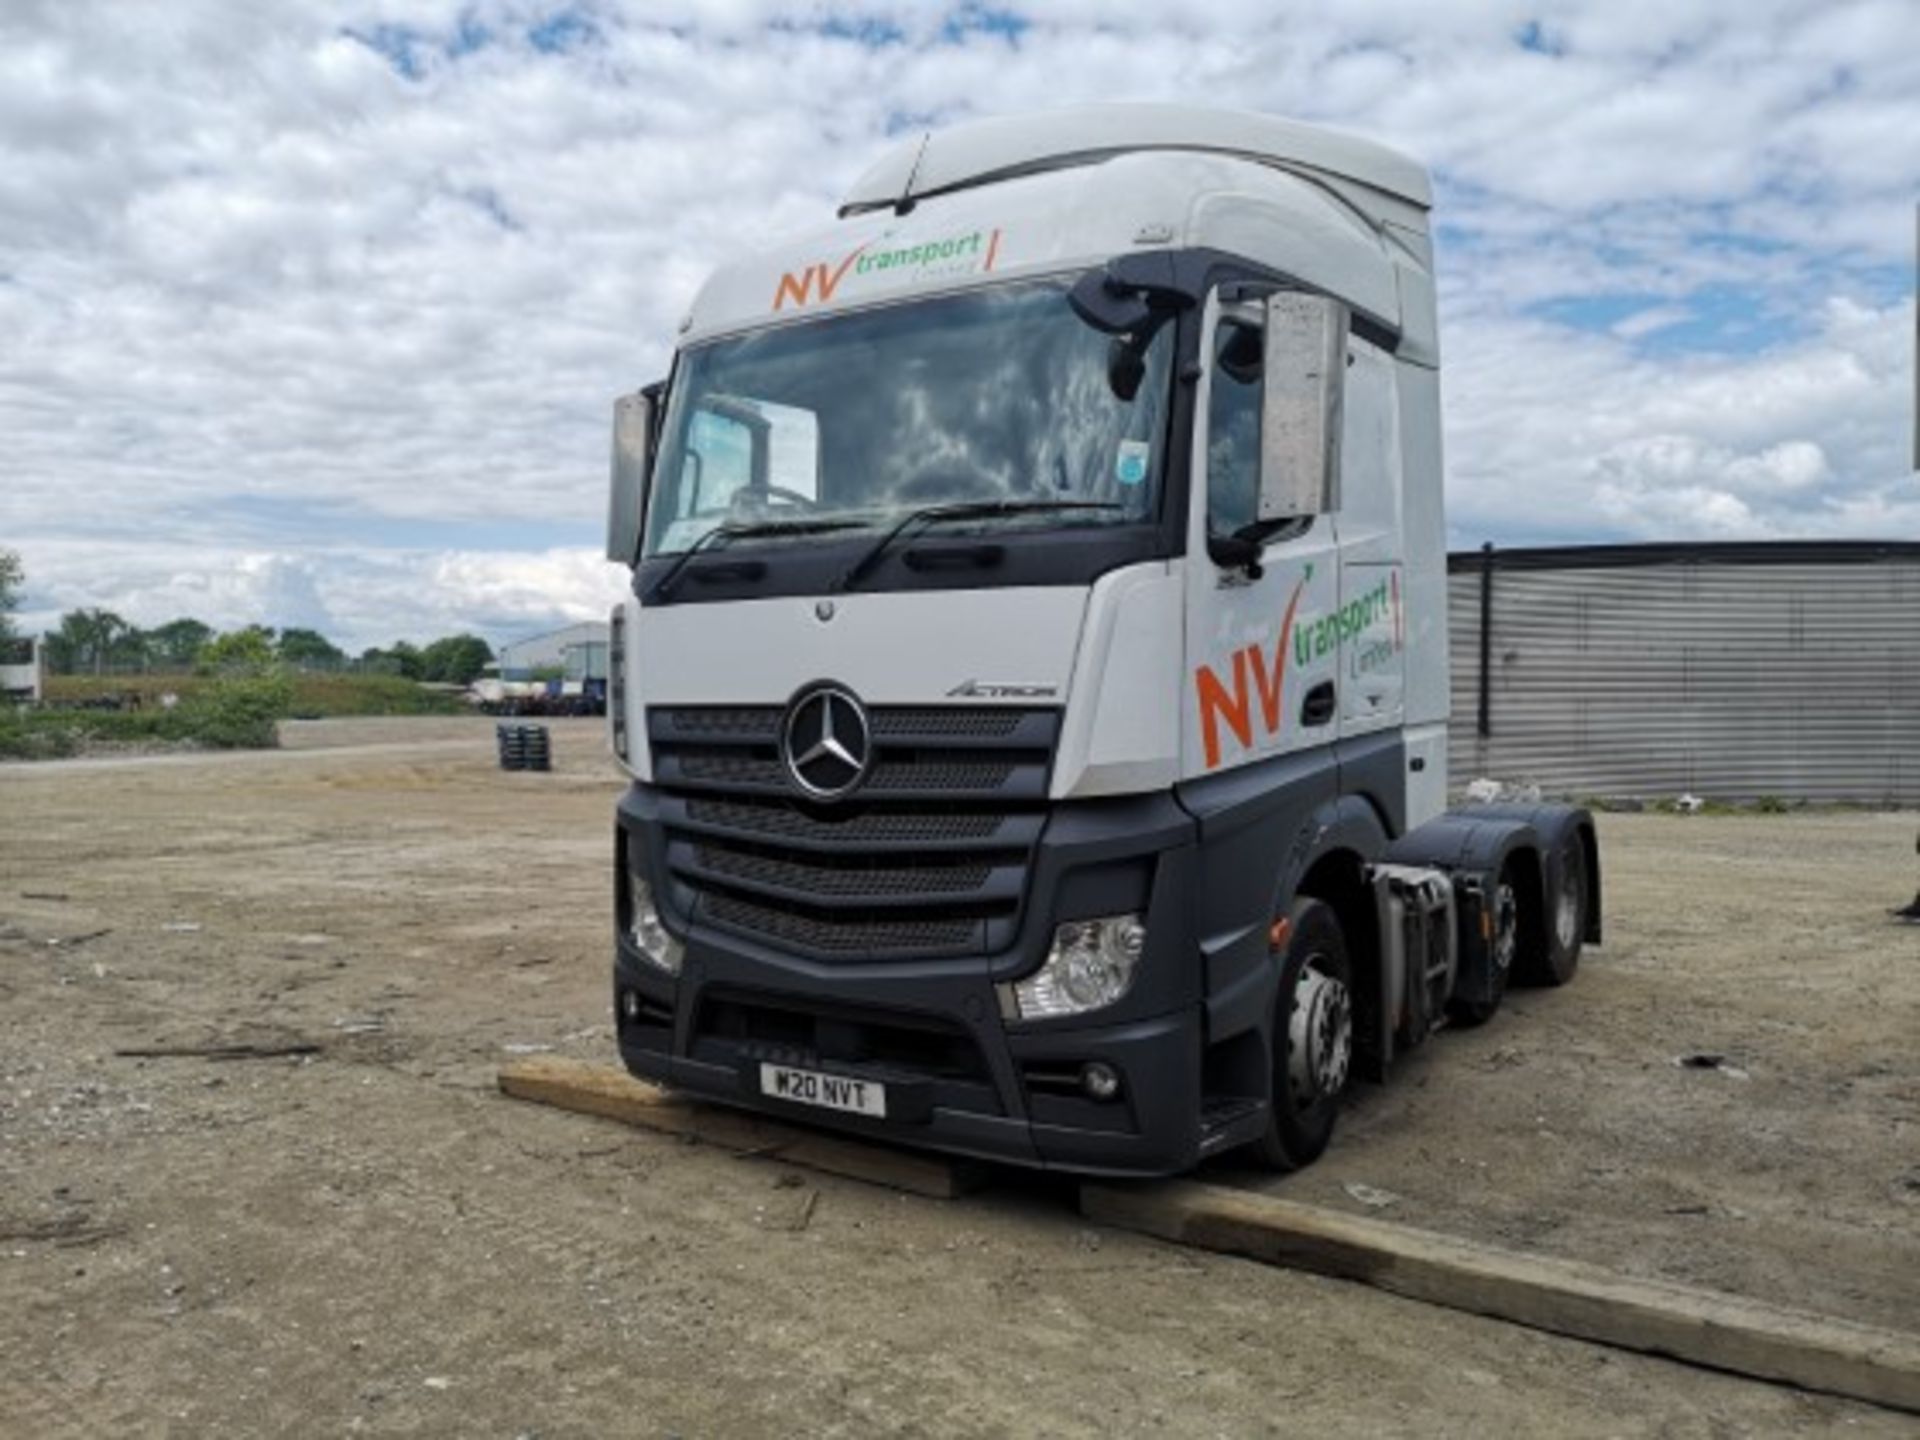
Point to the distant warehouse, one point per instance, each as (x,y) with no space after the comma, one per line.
(576,652)
(1730,671)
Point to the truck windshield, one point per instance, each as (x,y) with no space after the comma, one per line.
(995,395)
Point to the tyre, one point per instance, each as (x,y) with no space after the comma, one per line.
(1504,901)
(1552,953)
(1312,1039)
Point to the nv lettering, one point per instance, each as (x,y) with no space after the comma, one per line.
(813,285)
(1257,674)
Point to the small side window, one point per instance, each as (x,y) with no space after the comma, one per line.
(1233,428)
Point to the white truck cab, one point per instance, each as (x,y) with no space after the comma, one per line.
(1034,686)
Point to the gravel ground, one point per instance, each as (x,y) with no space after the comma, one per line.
(365,1238)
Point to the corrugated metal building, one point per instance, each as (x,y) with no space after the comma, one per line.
(1728,671)
(577,652)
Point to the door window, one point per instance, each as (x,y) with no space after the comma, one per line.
(1233,427)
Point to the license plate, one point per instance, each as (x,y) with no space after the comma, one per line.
(829,1092)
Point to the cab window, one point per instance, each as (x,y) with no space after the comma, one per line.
(1233,428)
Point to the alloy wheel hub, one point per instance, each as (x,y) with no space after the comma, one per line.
(1319,1034)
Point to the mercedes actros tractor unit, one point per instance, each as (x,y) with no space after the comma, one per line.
(1034,683)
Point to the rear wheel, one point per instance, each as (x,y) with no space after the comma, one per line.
(1312,1039)
(1504,902)
(1554,952)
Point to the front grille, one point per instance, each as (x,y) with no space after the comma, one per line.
(838,881)
(928,856)
(838,937)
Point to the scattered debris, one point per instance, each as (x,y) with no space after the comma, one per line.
(1689,1210)
(52,895)
(182,927)
(220,1051)
(67,1232)
(1689,804)
(437,1382)
(519,1047)
(69,942)
(1704,1060)
(803,1212)
(1370,1196)
(1485,791)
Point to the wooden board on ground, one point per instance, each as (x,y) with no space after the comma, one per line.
(1564,1296)
(610,1092)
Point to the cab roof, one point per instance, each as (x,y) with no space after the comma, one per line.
(984,151)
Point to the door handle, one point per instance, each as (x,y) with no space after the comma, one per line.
(1317,708)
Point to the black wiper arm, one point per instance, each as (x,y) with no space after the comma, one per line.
(728,532)
(959,510)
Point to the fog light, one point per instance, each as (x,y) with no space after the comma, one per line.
(1100,1080)
(1090,966)
(648,933)
(630,1005)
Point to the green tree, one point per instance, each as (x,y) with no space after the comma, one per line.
(309,650)
(85,640)
(244,651)
(456,659)
(131,649)
(177,643)
(407,659)
(12,576)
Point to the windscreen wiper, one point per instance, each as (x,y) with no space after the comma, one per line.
(961,510)
(727,532)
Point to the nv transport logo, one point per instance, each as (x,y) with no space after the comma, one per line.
(973,253)
(1260,674)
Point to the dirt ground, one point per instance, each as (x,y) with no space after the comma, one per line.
(368,1239)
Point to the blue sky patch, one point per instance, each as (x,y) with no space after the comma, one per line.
(563,31)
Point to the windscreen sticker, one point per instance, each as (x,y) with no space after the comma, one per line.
(972,253)
(1130,462)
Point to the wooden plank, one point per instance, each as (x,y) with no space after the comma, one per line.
(1563,1296)
(606,1091)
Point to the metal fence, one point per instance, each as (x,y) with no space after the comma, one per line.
(1736,671)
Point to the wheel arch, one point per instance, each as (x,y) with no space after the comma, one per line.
(1553,824)
(1328,862)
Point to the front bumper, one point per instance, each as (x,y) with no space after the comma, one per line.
(961,1078)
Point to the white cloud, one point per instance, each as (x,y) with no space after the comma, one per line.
(276,315)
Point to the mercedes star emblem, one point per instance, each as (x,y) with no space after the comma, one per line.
(826,742)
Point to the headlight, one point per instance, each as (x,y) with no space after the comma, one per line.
(648,934)
(1090,966)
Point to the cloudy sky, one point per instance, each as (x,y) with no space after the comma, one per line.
(311,312)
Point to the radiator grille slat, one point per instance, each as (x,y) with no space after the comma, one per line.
(928,856)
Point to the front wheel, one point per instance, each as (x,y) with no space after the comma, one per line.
(1312,1039)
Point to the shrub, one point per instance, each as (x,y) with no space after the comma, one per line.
(239,712)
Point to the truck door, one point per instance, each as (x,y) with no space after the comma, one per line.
(1255,688)
(1370,626)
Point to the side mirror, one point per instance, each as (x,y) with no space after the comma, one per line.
(632,467)
(1305,373)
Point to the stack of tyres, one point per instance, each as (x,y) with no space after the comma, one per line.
(533,740)
(512,743)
